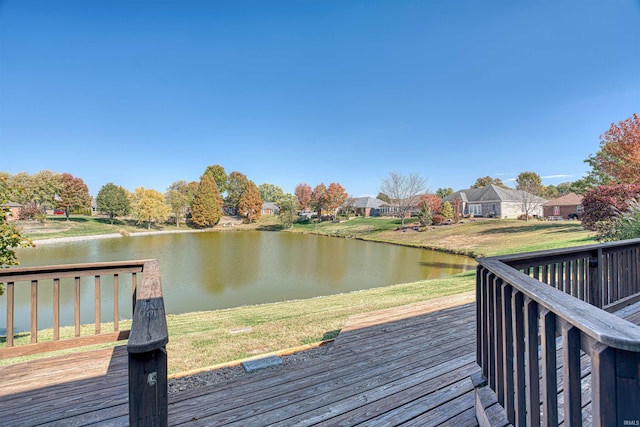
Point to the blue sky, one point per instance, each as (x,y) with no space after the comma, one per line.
(145,93)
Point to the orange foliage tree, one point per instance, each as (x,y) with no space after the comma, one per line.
(618,161)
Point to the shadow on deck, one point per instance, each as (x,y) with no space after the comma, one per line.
(408,365)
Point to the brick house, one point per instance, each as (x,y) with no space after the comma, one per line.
(565,207)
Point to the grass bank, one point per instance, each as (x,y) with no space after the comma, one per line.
(203,339)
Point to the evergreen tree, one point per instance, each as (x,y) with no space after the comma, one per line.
(250,204)
(447,210)
(206,209)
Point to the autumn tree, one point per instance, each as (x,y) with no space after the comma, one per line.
(149,207)
(618,160)
(288,213)
(434,202)
(529,185)
(39,189)
(177,197)
(318,198)
(206,209)
(303,194)
(250,203)
(270,192)
(603,203)
(335,197)
(74,194)
(403,191)
(487,180)
(113,200)
(236,185)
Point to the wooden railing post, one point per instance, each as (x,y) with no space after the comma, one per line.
(148,388)
(148,404)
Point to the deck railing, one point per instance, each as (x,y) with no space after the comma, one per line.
(538,310)
(147,337)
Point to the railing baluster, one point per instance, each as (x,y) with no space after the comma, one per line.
(549,378)
(571,376)
(10,313)
(56,309)
(507,348)
(34,311)
(76,306)
(532,371)
(603,385)
(498,331)
(97,304)
(491,376)
(116,315)
(520,404)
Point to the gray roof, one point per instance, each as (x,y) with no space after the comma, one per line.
(366,202)
(490,193)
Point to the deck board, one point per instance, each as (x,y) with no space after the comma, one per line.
(404,366)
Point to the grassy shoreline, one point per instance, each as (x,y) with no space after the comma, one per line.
(202,339)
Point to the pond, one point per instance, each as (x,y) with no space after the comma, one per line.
(215,270)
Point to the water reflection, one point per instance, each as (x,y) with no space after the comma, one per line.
(205,271)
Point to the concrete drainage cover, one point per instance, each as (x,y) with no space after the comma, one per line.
(257,364)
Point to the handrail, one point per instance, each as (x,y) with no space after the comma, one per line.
(600,325)
(532,306)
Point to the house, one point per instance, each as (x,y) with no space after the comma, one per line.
(568,206)
(270,208)
(365,206)
(12,210)
(494,201)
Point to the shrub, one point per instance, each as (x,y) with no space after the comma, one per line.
(30,212)
(604,203)
(438,219)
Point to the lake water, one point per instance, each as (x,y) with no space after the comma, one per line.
(214,270)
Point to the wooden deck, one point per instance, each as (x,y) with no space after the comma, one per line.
(407,366)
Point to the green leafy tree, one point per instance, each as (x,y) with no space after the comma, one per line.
(444,192)
(288,213)
(177,197)
(149,207)
(10,236)
(206,209)
(385,198)
(113,200)
(236,186)
(447,210)
(74,194)
(39,189)
(270,192)
(219,176)
(250,204)
(487,180)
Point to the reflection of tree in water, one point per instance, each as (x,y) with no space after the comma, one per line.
(227,260)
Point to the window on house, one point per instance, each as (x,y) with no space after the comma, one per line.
(475,209)
(556,210)
(579,209)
